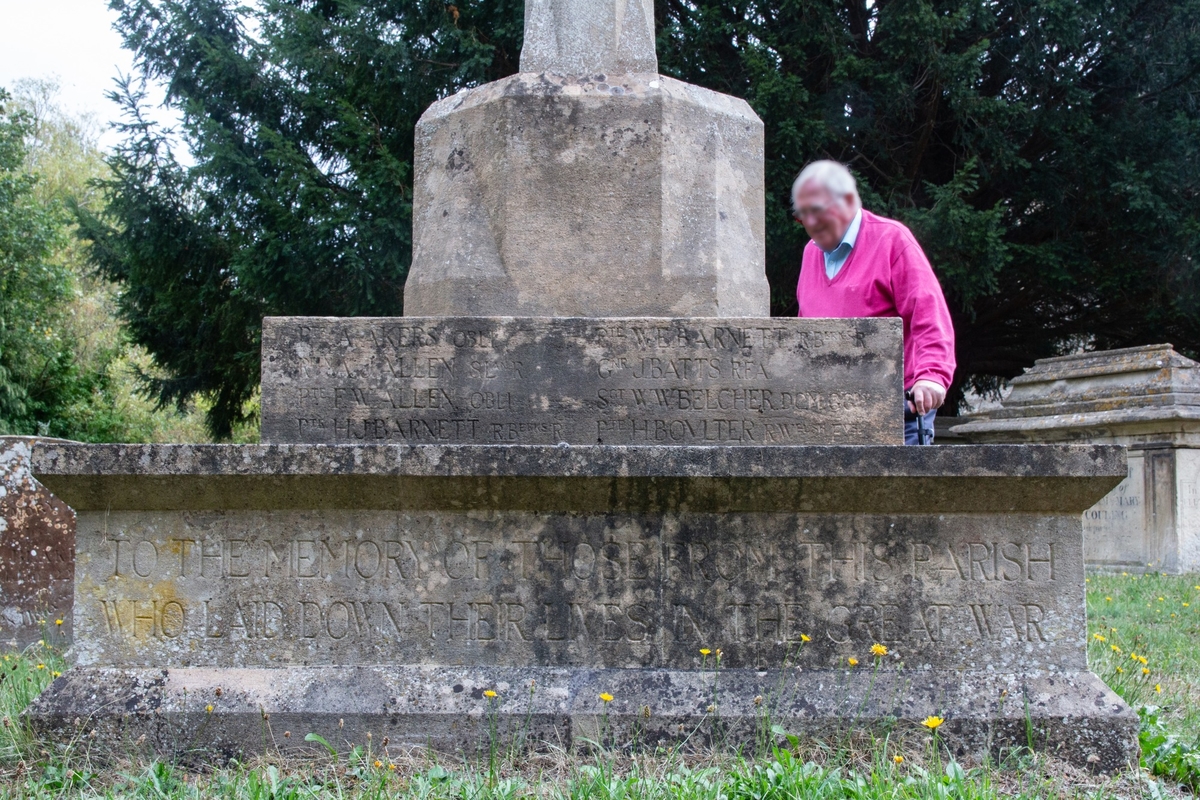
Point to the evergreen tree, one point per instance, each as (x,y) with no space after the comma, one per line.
(1043,152)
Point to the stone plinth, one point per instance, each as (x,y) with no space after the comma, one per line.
(489,380)
(351,590)
(1147,398)
(588,195)
(37,553)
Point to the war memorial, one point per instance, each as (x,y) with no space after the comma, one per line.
(585,463)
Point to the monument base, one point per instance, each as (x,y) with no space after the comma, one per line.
(1072,716)
(348,590)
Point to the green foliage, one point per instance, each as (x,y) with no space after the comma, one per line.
(35,363)
(1045,153)
(67,368)
(1165,754)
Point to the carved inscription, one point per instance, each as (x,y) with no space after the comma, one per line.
(534,589)
(582,381)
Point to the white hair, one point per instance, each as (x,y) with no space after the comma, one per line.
(829,174)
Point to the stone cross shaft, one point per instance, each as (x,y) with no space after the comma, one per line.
(587,37)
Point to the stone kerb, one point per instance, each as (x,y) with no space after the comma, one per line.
(37,553)
(1146,398)
(522,380)
(345,590)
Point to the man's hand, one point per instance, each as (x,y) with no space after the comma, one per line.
(926,396)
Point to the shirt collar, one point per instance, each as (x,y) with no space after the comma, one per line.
(852,232)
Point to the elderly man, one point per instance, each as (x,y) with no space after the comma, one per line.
(862,265)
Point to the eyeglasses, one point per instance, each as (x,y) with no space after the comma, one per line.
(812,211)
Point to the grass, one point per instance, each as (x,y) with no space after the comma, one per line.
(1125,613)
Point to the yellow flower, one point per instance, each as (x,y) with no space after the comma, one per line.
(55,674)
(1116,649)
(704,651)
(1185,605)
(1108,599)
(489,693)
(606,697)
(718,654)
(852,661)
(58,622)
(1134,656)
(878,650)
(392,766)
(41,666)
(1099,638)
(1142,659)
(1160,600)
(1145,670)
(1158,687)
(898,759)
(933,723)
(1120,670)
(804,637)
(208,708)
(378,763)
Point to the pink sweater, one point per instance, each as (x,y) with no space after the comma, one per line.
(886,275)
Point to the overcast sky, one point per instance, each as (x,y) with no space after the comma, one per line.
(70,40)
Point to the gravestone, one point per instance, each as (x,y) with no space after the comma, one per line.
(1146,398)
(37,549)
(499,517)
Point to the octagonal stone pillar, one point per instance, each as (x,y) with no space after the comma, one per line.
(595,195)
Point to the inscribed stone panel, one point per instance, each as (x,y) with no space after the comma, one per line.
(508,380)
(619,590)
(1115,529)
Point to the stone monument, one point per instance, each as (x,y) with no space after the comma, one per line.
(1146,398)
(37,553)
(574,486)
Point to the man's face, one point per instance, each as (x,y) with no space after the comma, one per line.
(824,216)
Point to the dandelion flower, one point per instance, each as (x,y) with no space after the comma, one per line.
(1120,670)
(852,661)
(898,759)
(1116,649)
(1145,670)
(1108,599)
(55,674)
(704,651)
(878,649)
(804,637)
(1142,659)
(378,764)
(209,708)
(41,666)
(1161,600)
(489,693)
(1158,688)
(1099,637)
(58,622)
(933,723)
(392,767)
(606,697)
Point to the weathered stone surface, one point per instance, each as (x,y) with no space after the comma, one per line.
(585,37)
(37,551)
(596,195)
(282,574)
(1147,398)
(490,380)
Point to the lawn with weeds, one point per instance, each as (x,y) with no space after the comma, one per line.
(1142,641)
